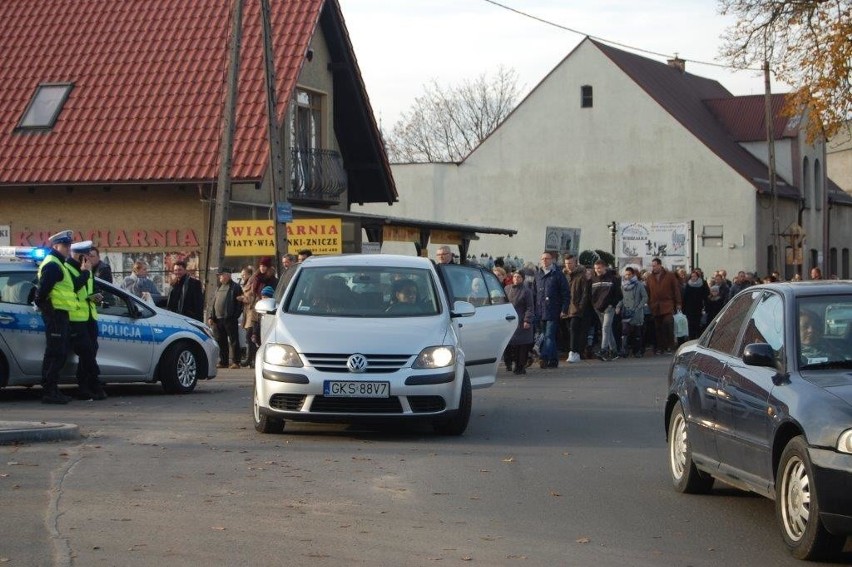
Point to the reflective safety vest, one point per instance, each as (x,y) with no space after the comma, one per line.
(85,309)
(62,295)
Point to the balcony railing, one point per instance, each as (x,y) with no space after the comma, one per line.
(317,176)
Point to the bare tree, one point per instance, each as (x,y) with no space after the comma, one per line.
(446,123)
(807,44)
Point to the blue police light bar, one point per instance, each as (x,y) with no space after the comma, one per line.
(23,252)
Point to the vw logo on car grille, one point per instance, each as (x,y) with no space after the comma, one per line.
(357,363)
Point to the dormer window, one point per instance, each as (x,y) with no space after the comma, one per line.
(45,106)
(586,96)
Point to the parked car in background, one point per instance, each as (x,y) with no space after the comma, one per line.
(763,401)
(378,337)
(138,342)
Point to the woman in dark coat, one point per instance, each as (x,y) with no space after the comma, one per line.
(695,293)
(519,345)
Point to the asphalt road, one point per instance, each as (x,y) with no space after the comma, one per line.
(561,467)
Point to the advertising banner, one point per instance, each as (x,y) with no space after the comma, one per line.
(257,237)
(562,240)
(637,243)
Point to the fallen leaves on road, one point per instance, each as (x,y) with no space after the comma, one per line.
(509,460)
(583,539)
(555,494)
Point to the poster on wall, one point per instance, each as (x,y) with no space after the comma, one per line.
(5,235)
(637,243)
(562,240)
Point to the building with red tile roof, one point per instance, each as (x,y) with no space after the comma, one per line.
(111,120)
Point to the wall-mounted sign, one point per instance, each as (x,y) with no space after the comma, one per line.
(562,240)
(320,236)
(445,237)
(137,238)
(400,234)
(637,243)
(250,238)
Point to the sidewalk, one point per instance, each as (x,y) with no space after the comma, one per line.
(36,431)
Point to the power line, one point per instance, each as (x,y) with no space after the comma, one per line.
(611,42)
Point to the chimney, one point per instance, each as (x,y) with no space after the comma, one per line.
(677,63)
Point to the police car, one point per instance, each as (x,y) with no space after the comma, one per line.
(137,342)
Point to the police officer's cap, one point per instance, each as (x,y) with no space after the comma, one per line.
(62,237)
(81,247)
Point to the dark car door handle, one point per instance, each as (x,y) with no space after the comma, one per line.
(511,317)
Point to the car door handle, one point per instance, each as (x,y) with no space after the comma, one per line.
(6,319)
(511,317)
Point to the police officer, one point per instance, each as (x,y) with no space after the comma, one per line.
(56,298)
(84,323)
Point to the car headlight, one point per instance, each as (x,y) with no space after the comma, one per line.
(204,329)
(844,442)
(281,355)
(435,357)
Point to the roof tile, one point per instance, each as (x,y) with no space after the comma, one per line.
(149,87)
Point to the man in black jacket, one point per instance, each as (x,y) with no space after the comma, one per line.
(186,296)
(606,293)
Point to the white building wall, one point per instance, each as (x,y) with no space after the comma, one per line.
(553,163)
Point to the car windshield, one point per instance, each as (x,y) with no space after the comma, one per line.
(353,291)
(825,332)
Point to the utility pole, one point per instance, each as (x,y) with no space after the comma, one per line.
(770,139)
(276,162)
(222,198)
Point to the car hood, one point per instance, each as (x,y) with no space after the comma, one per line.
(367,336)
(838,383)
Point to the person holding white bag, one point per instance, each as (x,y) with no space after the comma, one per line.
(140,285)
(664,299)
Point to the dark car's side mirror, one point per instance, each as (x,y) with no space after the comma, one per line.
(759,354)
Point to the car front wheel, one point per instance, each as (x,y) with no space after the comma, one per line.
(797,506)
(685,475)
(180,367)
(457,424)
(264,423)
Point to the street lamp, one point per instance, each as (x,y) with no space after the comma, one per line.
(613,229)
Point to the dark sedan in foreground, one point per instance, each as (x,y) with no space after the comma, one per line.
(763,401)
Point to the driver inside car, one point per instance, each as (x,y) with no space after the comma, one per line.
(815,348)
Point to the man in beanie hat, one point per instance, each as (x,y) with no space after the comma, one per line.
(56,297)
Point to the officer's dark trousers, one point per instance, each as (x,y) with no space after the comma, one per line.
(86,348)
(57,332)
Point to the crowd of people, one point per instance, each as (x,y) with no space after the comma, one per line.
(596,312)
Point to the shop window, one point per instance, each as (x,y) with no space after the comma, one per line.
(45,106)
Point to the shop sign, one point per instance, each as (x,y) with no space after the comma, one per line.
(400,234)
(320,236)
(445,237)
(250,238)
(136,238)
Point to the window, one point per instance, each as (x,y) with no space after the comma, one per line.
(817,186)
(766,325)
(832,264)
(18,288)
(845,259)
(306,120)
(814,259)
(586,96)
(726,327)
(806,183)
(45,106)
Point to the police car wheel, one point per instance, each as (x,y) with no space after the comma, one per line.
(180,367)
(264,423)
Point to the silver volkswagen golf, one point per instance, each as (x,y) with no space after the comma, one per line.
(372,337)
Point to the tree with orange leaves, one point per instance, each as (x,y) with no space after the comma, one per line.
(807,44)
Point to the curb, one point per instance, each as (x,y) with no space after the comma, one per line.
(34,432)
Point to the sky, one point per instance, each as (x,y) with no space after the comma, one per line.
(401,45)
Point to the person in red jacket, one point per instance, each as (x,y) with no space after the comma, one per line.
(664,300)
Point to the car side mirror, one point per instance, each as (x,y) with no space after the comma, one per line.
(462,309)
(265,306)
(759,354)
